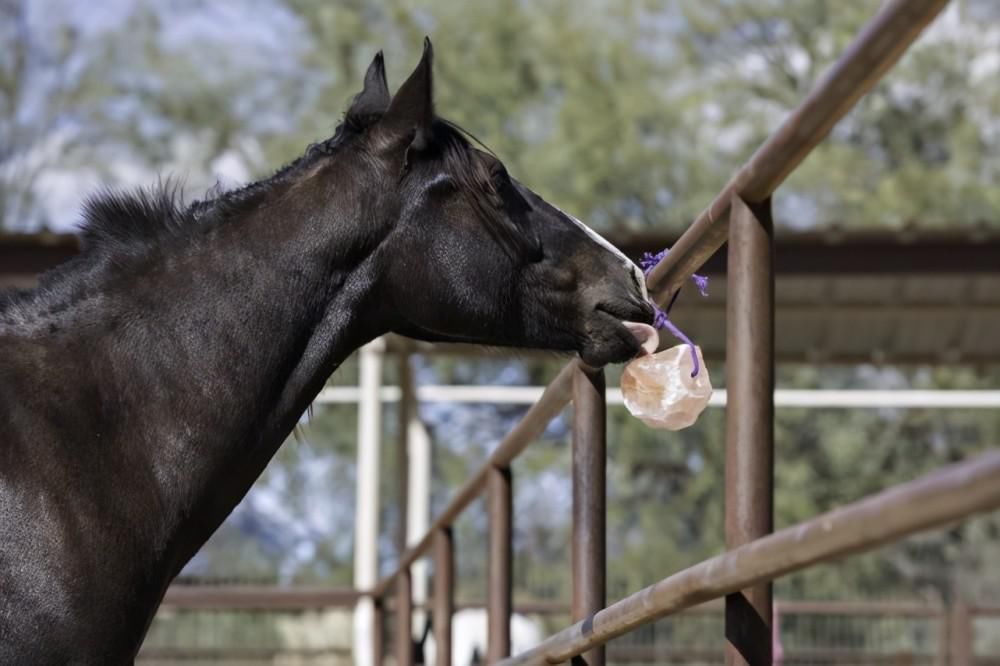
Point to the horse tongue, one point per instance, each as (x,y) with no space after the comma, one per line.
(644,334)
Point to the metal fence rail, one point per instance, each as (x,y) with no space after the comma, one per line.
(196,624)
(935,500)
(741,213)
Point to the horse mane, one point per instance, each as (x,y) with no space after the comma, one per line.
(123,223)
(122,219)
(126,223)
(120,226)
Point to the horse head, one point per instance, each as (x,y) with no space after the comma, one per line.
(469,253)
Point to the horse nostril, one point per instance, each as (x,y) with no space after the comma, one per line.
(645,307)
(629,309)
(649,311)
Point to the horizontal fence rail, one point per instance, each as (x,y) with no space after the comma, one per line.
(206,603)
(833,398)
(270,597)
(257,597)
(874,608)
(936,500)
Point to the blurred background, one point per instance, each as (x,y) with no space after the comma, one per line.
(632,115)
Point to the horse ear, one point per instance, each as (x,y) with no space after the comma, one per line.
(411,112)
(374,97)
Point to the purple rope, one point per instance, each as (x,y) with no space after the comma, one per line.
(650,259)
(700,281)
(662,319)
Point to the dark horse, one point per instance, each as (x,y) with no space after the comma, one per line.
(145,384)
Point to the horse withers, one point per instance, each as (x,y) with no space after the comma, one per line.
(145,384)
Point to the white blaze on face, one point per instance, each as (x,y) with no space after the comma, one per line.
(627,263)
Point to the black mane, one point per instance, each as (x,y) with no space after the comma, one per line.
(135,222)
(121,226)
(120,220)
(129,223)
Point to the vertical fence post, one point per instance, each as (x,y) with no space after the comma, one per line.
(749,418)
(444,593)
(960,634)
(500,549)
(404,617)
(378,631)
(404,584)
(589,499)
(943,656)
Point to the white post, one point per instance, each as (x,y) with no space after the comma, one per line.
(418,507)
(366,508)
(418,473)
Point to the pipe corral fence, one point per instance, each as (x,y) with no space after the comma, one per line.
(326,611)
(741,215)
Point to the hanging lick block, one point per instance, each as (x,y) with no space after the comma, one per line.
(660,390)
(671,388)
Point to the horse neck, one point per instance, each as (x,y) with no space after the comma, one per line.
(223,344)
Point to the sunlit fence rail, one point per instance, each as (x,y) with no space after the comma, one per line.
(741,215)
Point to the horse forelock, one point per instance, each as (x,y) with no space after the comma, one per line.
(478,186)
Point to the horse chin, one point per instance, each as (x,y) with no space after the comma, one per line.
(614,341)
(608,351)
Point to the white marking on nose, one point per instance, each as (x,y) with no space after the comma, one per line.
(637,274)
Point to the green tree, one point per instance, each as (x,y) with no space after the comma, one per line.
(920,149)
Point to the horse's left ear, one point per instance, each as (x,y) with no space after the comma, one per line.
(411,112)
(374,97)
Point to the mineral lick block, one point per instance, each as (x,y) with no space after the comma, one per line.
(659,390)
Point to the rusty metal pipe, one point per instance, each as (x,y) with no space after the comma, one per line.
(499,597)
(749,419)
(404,583)
(933,501)
(444,593)
(589,499)
(404,618)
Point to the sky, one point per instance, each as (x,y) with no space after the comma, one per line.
(258,36)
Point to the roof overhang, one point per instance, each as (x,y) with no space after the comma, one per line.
(844,297)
